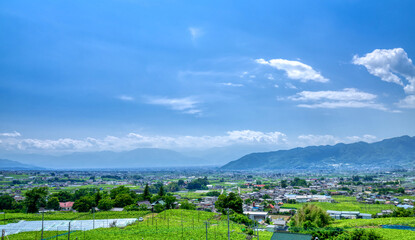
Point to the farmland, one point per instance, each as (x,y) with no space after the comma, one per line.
(170,224)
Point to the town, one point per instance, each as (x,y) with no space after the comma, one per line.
(264,201)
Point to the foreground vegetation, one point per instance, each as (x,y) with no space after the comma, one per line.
(169,224)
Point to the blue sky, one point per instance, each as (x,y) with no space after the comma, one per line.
(116,75)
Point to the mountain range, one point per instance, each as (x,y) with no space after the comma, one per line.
(390,153)
(6,164)
(393,153)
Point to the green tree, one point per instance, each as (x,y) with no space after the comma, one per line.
(7,202)
(35,198)
(158,208)
(98,197)
(121,190)
(105,204)
(213,194)
(132,207)
(161,191)
(123,200)
(84,204)
(284,183)
(187,205)
(147,194)
(63,196)
(169,200)
(231,201)
(198,184)
(143,207)
(180,183)
(53,203)
(310,216)
(173,187)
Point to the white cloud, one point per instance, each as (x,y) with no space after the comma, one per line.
(135,140)
(347,94)
(269,76)
(290,86)
(10,134)
(390,65)
(185,105)
(407,102)
(318,140)
(346,98)
(232,84)
(126,98)
(295,70)
(276,86)
(345,104)
(195,32)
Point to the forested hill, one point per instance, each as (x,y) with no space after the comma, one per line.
(392,153)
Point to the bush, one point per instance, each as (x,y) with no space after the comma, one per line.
(310,216)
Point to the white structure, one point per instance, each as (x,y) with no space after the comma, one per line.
(256,215)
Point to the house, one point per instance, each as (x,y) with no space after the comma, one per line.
(348,214)
(256,215)
(139,203)
(66,206)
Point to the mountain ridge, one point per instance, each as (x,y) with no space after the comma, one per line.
(396,152)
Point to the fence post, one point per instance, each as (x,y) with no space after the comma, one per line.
(69,231)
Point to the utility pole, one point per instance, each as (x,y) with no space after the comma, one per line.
(229,234)
(3,233)
(43,212)
(93,216)
(206,230)
(257,232)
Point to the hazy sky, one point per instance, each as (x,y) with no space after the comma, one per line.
(96,75)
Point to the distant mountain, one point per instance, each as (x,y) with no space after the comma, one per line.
(6,164)
(138,158)
(394,153)
(222,155)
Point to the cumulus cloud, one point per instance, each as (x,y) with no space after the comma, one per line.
(346,98)
(232,84)
(185,105)
(295,70)
(390,65)
(10,134)
(407,102)
(135,140)
(318,140)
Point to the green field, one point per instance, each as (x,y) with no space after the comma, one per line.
(16,217)
(407,221)
(347,204)
(375,225)
(170,224)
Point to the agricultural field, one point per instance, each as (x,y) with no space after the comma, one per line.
(347,204)
(407,221)
(375,225)
(170,224)
(16,217)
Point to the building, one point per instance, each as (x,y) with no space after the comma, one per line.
(256,216)
(66,206)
